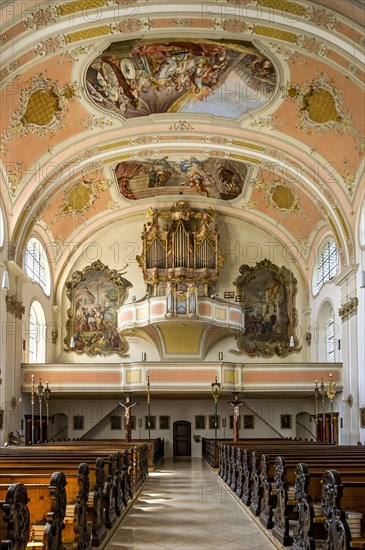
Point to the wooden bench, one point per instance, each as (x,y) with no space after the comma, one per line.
(272,492)
(343,505)
(114,479)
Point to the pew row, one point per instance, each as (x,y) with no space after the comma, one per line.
(284,492)
(112,482)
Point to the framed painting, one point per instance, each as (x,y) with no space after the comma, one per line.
(200,422)
(268,293)
(248,421)
(212,420)
(95,295)
(152,420)
(115,422)
(78,422)
(285,421)
(164,422)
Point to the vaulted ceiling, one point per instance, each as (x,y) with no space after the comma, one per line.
(253,106)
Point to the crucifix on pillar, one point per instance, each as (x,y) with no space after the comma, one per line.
(127,418)
(236,413)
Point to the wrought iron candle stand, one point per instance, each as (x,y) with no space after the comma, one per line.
(325,392)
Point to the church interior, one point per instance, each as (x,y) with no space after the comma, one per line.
(182,220)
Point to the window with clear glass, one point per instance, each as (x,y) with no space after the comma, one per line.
(327,266)
(36,264)
(36,339)
(330,337)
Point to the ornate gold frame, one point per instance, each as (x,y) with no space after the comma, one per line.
(122,286)
(261,337)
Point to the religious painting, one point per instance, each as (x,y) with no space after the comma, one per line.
(267,294)
(164,422)
(152,422)
(200,422)
(136,78)
(285,421)
(115,422)
(95,294)
(78,422)
(177,174)
(212,420)
(248,421)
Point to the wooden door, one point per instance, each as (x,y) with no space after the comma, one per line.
(182,438)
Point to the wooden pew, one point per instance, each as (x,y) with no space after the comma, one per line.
(273,496)
(337,495)
(125,473)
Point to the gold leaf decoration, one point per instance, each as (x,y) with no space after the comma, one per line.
(41,108)
(321,106)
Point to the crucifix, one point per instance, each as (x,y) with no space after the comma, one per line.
(236,413)
(127,418)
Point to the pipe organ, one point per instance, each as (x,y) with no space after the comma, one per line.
(180,255)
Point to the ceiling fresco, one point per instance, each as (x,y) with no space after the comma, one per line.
(82,94)
(212,177)
(139,78)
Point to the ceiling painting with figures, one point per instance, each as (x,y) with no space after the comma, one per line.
(139,78)
(172,174)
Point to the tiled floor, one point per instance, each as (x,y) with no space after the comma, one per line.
(185,507)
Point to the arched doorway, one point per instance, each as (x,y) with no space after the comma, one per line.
(182,438)
(305,428)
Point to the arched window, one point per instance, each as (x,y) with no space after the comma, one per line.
(362,225)
(36,264)
(37,342)
(330,337)
(2,229)
(327,265)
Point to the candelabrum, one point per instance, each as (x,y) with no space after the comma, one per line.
(47,397)
(316,397)
(148,407)
(32,403)
(331,392)
(323,394)
(40,395)
(216,390)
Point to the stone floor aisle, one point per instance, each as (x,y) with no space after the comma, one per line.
(185,507)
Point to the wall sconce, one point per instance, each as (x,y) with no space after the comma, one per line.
(220,356)
(143,356)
